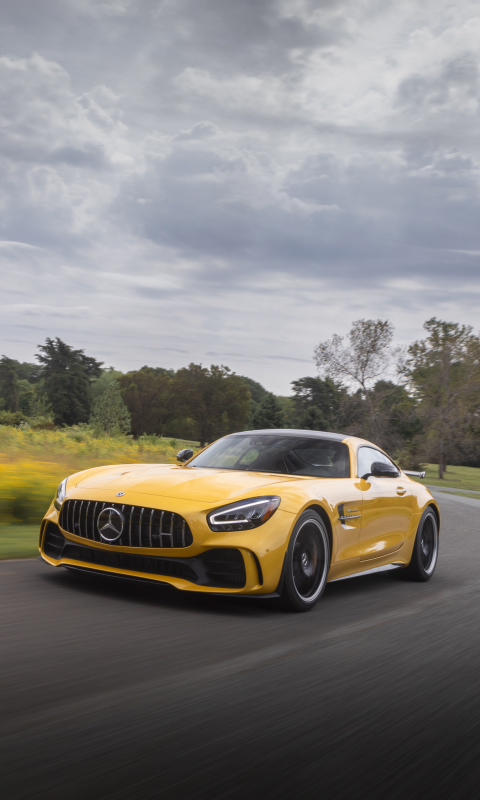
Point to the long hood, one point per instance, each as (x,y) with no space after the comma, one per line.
(204,485)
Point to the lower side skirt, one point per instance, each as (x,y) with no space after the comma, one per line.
(384,568)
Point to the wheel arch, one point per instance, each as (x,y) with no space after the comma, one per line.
(328,525)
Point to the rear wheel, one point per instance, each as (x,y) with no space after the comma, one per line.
(425,550)
(306,564)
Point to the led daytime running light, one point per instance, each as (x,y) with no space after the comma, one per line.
(243,515)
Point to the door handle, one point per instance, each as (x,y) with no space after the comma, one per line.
(401,491)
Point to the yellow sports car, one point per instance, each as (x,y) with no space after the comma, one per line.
(271,513)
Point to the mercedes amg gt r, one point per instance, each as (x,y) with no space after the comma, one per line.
(269,513)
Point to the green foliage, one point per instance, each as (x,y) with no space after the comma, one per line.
(443,371)
(110,415)
(99,385)
(26,395)
(319,403)
(9,383)
(268,414)
(216,400)
(150,399)
(28,372)
(13,418)
(40,407)
(312,419)
(67,375)
(160,371)
(257,391)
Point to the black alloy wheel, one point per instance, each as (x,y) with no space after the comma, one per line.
(425,550)
(306,563)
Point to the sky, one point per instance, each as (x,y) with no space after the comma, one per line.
(233,181)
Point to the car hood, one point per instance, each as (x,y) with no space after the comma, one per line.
(205,485)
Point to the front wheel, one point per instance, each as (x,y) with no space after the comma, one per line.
(306,563)
(425,550)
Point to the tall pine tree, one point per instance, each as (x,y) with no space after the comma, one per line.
(67,374)
(268,414)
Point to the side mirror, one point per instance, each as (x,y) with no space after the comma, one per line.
(380,469)
(184,455)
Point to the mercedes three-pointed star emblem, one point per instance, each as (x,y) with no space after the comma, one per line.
(110,523)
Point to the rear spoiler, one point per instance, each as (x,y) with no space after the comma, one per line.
(413,474)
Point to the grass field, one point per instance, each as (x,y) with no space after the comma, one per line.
(19,541)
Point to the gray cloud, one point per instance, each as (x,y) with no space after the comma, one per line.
(186,178)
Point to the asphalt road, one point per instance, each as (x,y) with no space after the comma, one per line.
(117,690)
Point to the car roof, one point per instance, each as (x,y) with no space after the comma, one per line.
(335,437)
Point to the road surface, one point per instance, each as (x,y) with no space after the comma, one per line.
(117,690)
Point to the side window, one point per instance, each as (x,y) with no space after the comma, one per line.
(365,458)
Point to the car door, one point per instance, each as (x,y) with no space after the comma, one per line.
(386,508)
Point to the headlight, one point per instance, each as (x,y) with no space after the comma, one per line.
(243,515)
(60,496)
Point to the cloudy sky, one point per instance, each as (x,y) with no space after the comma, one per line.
(231,181)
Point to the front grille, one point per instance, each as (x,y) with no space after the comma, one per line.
(143,527)
(222,568)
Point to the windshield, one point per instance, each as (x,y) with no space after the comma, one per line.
(287,455)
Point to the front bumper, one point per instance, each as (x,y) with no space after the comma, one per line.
(240,563)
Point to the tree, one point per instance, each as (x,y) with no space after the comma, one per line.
(150,398)
(9,383)
(41,407)
(216,399)
(319,403)
(67,375)
(26,395)
(366,356)
(257,393)
(443,371)
(101,384)
(110,415)
(267,415)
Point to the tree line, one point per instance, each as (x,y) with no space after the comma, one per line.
(419,403)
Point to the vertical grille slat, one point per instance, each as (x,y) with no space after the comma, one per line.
(150,528)
(79,521)
(143,527)
(93,521)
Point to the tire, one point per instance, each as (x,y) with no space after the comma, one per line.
(306,563)
(425,550)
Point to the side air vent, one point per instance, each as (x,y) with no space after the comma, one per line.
(54,541)
(225,567)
